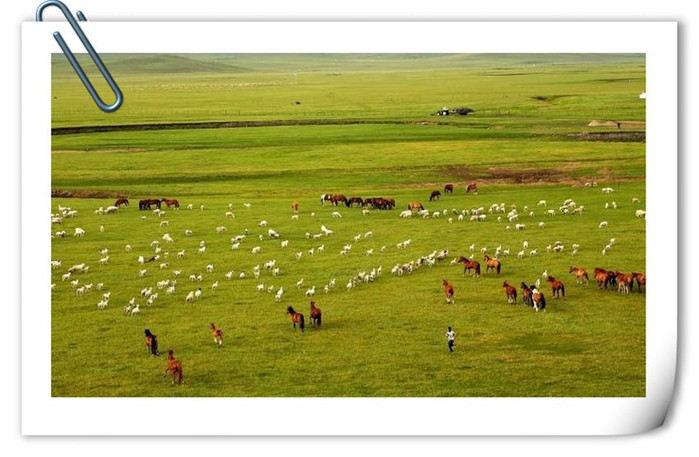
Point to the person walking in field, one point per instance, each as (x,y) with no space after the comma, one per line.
(451,336)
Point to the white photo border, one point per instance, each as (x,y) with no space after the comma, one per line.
(44,415)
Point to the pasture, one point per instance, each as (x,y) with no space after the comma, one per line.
(364,128)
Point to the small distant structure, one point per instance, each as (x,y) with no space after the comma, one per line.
(642,95)
(461,111)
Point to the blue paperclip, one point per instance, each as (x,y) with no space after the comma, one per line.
(95,57)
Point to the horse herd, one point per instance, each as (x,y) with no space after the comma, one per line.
(358,202)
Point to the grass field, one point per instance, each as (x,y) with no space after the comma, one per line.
(364,127)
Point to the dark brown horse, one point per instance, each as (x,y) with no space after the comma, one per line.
(147,203)
(357,201)
(580,275)
(170,203)
(448,189)
(491,264)
(151,343)
(448,291)
(470,265)
(121,201)
(296,318)
(472,187)
(435,195)
(174,368)
(557,287)
(526,294)
(510,293)
(316,315)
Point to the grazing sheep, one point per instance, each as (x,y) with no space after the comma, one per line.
(210,268)
(142,273)
(220,229)
(79,232)
(640,213)
(230,215)
(541,225)
(262,224)
(190,297)
(520,226)
(336,214)
(285,243)
(272,234)
(135,310)
(202,250)
(229,275)
(603,224)
(256,250)
(635,201)
(104,260)
(167,238)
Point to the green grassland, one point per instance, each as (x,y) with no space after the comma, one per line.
(365,128)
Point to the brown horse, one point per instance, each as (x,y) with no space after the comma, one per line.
(526,294)
(510,293)
(580,275)
(491,264)
(170,203)
(355,201)
(538,301)
(557,288)
(470,265)
(151,343)
(336,199)
(448,291)
(435,195)
(640,280)
(624,282)
(316,315)
(147,203)
(174,368)
(603,277)
(295,206)
(448,189)
(415,206)
(296,318)
(217,334)
(121,201)
(472,187)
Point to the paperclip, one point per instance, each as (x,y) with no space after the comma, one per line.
(95,57)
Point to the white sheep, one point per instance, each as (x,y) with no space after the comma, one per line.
(285,243)
(214,286)
(262,223)
(79,232)
(603,224)
(311,291)
(256,250)
(229,275)
(278,295)
(520,226)
(336,214)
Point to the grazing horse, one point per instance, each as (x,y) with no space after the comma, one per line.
(355,201)
(470,265)
(510,293)
(640,280)
(170,203)
(557,287)
(491,264)
(448,291)
(472,187)
(151,343)
(526,294)
(435,195)
(624,282)
(580,275)
(121,201)
(147,203)
(337,198)
(448,189)
(316,315)
(295,206)
(296,318)
(217,334)
(174,368)
(415,206)
(325,198)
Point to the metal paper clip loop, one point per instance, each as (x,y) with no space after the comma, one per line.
(95,57)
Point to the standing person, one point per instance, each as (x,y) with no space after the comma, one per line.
(450,339)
